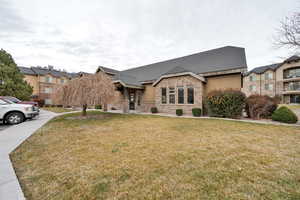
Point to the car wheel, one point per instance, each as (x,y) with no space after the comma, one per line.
(14,118)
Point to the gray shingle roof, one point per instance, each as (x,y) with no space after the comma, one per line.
(176,70)
(44,71)
(109,70)
(292,58)
(26,70)
(262,69)
(220,59)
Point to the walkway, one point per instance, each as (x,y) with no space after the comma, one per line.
(11,138)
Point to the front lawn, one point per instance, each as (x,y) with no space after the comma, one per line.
(114,156)
(57,109)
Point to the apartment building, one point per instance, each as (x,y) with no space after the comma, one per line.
(279,79)
(45,79)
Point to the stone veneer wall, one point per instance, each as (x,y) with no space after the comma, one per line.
(181,81)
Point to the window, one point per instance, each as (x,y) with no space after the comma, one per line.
(268,86)
(294,85)
(268,75)
(190,96)
(48,101)
(252,88)
(48,90)
(180,95)
(163,95)
(62,81)
(291,73)
(252,78)
(48,79)
(171,95)
(138,99)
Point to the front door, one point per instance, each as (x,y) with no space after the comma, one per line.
(132,100)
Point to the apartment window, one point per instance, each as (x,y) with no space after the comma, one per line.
(252,78)
(252,88)
(268,86)
(180,95)
(268,76)
(190,96)
(48,79)
(62,81)
(163,95)
(171,95)
(48,90)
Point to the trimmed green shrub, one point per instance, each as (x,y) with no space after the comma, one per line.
(154,110)
(179,112)
(260,106)
(284,114)
(225,103)
(98,106)
(196,112)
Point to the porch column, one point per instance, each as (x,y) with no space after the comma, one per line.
(126,101)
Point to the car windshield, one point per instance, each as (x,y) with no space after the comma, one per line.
(12,99)
(4,101)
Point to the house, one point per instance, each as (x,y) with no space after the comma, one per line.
(279,79)
(45,79)
(180,83)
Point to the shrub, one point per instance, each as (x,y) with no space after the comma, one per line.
(258,106)
(196,112)
(113,108)
(41,102)
(179,112)
(98,107)
(283,114)
(154,110)
(226,103)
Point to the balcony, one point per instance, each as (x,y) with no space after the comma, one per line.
(292,89)
(292,74)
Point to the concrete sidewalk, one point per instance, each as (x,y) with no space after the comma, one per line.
(11,138)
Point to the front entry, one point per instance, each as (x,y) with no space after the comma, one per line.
(131,99)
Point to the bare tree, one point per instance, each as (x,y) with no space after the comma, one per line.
(289,32)
(88,90)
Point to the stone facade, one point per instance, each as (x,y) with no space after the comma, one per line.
(176,82)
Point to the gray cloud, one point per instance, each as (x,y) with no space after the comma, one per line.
(128,33)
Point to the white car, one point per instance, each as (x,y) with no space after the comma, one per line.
(13,113)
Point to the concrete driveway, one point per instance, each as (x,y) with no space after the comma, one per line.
(2,126)
(10,138)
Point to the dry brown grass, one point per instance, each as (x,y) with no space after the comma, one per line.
(57,109)
(152,157)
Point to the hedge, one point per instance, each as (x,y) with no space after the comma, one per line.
(154,110)
(179,112)
(225,103)
(284,114)
(196,112)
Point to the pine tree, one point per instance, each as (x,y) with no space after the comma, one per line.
(11,79)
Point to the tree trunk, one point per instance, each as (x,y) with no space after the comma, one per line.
(84,107)
(105,107)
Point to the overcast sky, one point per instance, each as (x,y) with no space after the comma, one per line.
(81,35)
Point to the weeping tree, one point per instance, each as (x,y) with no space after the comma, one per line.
(88,90)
